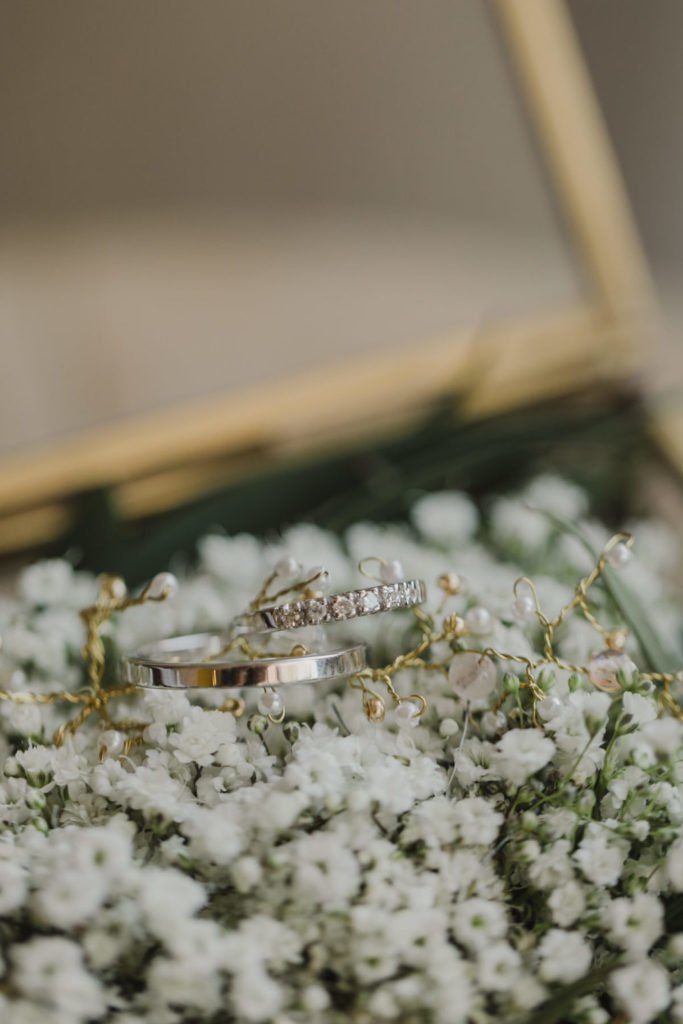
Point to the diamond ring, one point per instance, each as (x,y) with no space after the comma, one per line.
(316,611)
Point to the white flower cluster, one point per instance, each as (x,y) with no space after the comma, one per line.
(481,867)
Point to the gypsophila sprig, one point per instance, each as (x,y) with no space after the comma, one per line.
(517,855)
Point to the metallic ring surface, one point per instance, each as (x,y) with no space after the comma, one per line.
(177,663)
(338,608)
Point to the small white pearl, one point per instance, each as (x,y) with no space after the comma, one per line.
(391,572)
(618,556)
(287,568)
(164,584)
(548,708)
(118,588)
(449,728)
(271,704)
(524,607)
(111,743)
(408,713)
(479,621)
(320,577)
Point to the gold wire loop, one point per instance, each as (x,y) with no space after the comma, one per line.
(418,699)
(234,706)
(364,571)
(279,719)
(531,586)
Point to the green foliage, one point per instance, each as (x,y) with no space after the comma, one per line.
(598,444)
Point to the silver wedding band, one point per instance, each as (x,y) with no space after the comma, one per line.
(183,663)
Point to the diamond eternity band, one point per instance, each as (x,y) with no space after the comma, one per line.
(338,608)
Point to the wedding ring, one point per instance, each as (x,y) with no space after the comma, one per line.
(338,608)
(183,663)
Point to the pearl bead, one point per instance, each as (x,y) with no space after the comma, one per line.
(391,572)
(479,621)
(320,577)
(618,556)
(454,625)
(450,583)
(408,713)
(524,607)
(117,588)
(287,568)
(616,639)
(449,728)
(548,708)
(271,704)
(111,743)
(374,709)
(164,585)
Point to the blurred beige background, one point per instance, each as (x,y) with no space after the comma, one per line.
(196,198)
(633,51)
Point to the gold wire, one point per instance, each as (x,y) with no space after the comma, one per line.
(264,596)
(364,571)
(451,631)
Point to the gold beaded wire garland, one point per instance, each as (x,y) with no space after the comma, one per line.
(113,598)
(454,630)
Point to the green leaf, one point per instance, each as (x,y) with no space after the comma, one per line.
(559,1005)
(673,914)
(655,655)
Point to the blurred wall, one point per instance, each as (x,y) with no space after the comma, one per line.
(633,50)
(126,104)
(199,198)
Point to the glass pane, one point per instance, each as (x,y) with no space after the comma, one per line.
(199,198)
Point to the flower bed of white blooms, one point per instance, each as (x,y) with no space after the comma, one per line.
(331,869)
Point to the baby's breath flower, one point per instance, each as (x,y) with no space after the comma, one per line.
(567,903)
(565,956)
(333,869)
(521,753)
(635,923)
(477,922)
(641,990)
(498,967)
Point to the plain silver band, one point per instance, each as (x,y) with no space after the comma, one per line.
(352,604)
(156,666)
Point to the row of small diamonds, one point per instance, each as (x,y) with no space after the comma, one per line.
(340,607)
